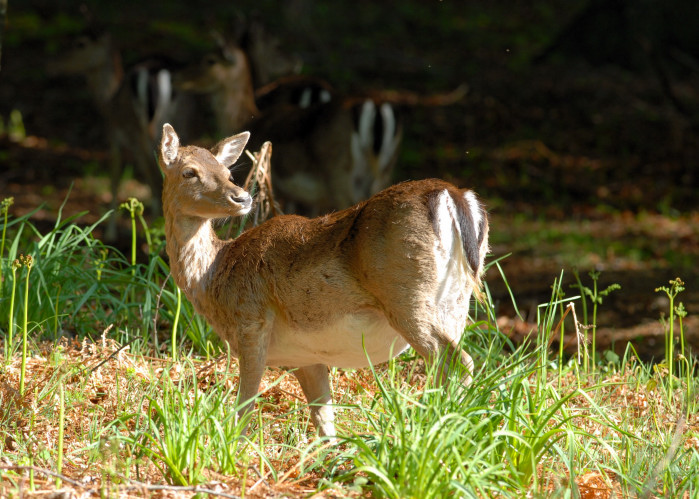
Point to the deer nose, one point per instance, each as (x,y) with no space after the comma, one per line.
(243,199)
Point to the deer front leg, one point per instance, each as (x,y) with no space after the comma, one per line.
(252,367)
(315,384)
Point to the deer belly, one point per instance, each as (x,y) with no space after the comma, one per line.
(352,341)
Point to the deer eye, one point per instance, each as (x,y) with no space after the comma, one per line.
(189,173)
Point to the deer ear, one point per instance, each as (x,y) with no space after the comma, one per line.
(229,150)
(169,145)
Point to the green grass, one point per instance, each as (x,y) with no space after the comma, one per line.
(615,239)
(533,422)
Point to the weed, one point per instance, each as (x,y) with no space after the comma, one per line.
(676,287)
(4,210)
(27,261)
(527,425)
(596,297)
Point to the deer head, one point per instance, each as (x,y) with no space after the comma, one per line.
(199,181)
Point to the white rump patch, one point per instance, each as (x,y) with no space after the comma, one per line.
(163,101)
(452,269)
(390,140)
(142,88)
(366,125)
(305,100)
(164,80)
(475,209)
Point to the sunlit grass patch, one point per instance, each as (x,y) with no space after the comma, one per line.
(534,421)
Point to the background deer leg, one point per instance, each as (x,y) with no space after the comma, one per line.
(315,384)
(154,181)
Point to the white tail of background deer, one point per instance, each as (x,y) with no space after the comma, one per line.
(330,152)
(394,271)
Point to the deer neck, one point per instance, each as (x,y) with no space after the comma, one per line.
(234,105)
(192,246)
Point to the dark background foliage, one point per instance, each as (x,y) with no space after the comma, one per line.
(583,113)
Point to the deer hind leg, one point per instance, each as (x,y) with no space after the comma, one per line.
(454,360)
(435,345)
(434,328)
(315,384)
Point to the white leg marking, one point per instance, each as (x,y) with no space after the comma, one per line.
(305,100)
(366,124)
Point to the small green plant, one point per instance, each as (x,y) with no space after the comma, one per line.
(135,209)
(64,287)
(4,211)
(187,431)
(11,315)
(15,126)
(676,287)
(547,327)
(522,428)
(103,253)
(596,297)
(28,262)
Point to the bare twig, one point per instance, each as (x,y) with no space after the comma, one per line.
(555,330)
(112,355)
(259,184)
(44,471)
(577,332)
(134,483)
(408,98)
(260,178)
(178,488)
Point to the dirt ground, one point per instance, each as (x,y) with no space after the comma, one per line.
(581,165)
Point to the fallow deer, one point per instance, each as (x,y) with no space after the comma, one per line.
(330,152)
(134,105)
(345,289)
